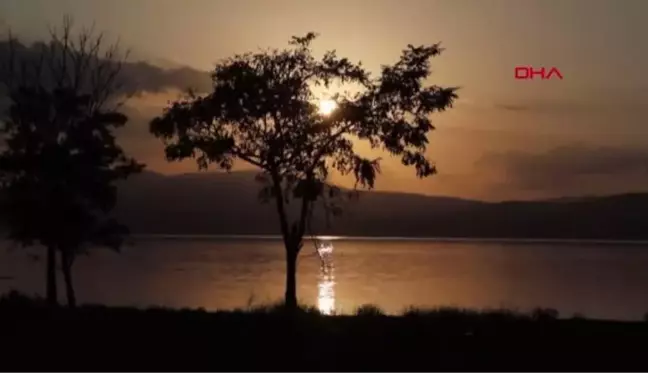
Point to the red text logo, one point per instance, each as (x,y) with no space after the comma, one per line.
(542,73)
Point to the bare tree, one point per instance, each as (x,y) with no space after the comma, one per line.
(61,158)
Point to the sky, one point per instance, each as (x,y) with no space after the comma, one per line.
(505,138)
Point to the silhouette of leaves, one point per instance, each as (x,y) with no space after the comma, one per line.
(61,158)
(262,111)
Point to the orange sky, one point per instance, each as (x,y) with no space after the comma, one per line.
(504,139)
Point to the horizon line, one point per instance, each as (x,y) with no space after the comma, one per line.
(393,238)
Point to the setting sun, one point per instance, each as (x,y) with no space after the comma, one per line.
(326,107)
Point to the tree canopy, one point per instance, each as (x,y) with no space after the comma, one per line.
(263,111)
(61,158)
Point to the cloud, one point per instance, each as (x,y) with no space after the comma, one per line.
(543,106)
(512,107)
(144,77)
(570,170)
(546,106)
(603,103)
(138,76)
(151,88)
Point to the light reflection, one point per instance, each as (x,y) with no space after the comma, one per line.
(326,294)
(326,281)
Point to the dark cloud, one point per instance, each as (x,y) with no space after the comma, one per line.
(586,105)
(510,107)
(544,106)
(144,77)
(140,79)
(148,83)
(571,170)
(137,76)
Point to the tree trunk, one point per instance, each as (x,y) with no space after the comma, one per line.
(50,277)
(292,249)
(290,299)
(67,276)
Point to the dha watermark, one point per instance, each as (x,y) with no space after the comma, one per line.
(537,73)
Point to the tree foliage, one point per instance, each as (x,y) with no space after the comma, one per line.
(263,111)
(61,158)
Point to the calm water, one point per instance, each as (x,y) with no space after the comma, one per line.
(603,281)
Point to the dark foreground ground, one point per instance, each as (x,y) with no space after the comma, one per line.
(34,337)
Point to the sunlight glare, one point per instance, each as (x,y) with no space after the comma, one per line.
(326,107)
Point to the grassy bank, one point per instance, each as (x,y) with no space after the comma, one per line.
(36,337)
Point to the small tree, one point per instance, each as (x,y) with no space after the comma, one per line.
(263,111)
(61,158)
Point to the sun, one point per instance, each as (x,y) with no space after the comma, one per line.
(326,107)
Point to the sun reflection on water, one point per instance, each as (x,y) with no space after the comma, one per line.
(326,281)
(326,294)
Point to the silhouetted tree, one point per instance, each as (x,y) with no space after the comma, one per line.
(60,159)
(263,111)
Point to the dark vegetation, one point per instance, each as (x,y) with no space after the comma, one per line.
(60,158)
(39,337)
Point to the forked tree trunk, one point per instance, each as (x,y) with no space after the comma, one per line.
(51,290)
(67,276)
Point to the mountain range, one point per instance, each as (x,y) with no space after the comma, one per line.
(228,204)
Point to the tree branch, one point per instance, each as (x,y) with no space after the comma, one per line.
(247,157)
(317,157)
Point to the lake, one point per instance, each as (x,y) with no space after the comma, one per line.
(599,280)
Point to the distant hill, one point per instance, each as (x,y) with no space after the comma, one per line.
(217,203)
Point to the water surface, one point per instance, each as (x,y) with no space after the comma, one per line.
(603,280)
